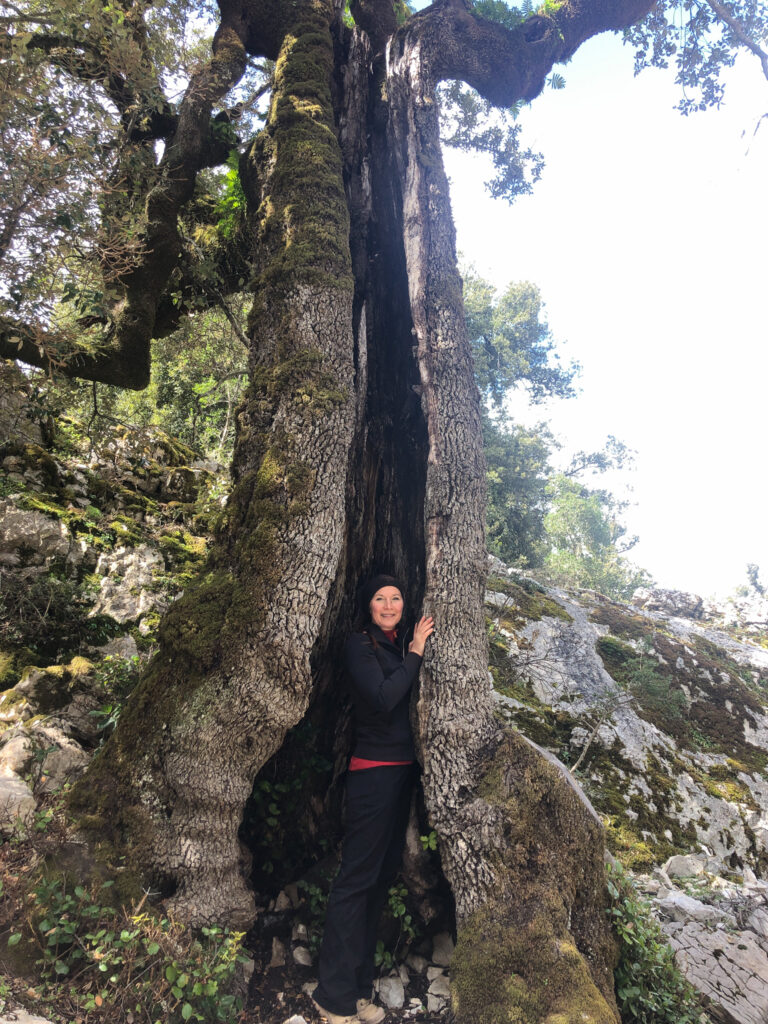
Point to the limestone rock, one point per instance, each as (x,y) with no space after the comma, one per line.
(301,955)
(678,906)
(16,752)
(729,970)
(417,963)
(19,1016)
(674,602)
(391,992)
(282,901)
(295,1019)
(442,949)
(685,866)
(435,1004)
(17,804)
(441,987)
(65,760)
(121,647)
(128,574)
(41,537)
(758,922)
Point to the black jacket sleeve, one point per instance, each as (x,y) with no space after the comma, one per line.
(379,691)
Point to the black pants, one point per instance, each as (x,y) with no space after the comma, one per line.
(378,803)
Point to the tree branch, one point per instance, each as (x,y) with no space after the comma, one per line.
(507,65)
(122,365)
(740,33)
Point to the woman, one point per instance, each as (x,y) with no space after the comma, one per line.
(379,783)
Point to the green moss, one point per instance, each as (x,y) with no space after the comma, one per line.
(506,971)
(126,531)
(183,547)
(13,663)
(540,949)
(623,623)
(528,603)
(304,222)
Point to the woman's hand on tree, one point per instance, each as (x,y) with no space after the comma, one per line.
(425,627)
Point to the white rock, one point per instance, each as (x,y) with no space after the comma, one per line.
(434,972)
(435,1004)
(292,892)
(758,922)
(685,866)
(440,987)
(417,963)
(442,949)
(730,970)
(402,970)
(17,804)
(678,906)
(309,987)
(295,1019)
(299,932)
(16,752)
(127,573)
(45,538)
(301,955)
(391,992)
(64,762)
(19,1016)
(121,647)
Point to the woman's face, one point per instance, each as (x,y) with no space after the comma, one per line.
(386,607)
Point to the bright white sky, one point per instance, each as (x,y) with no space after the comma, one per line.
(647,237)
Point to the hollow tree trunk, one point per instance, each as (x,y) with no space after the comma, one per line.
(233,672)
(520,848)
(359,450)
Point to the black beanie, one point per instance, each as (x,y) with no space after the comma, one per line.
(367,590)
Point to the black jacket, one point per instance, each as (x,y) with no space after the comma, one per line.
(380,680)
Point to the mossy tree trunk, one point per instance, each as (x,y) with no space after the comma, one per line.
(359,450)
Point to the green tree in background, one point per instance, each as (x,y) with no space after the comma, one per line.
(588,540)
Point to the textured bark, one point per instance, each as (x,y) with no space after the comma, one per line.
(525,862)
(233,673)
(359,450)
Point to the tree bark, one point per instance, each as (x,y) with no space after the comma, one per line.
(524,861)
(233,673)
(359,450)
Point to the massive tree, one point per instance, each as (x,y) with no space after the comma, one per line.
(358,450)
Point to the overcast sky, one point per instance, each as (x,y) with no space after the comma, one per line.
(646,236)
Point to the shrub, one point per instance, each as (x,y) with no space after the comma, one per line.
(649,986)
(124,965)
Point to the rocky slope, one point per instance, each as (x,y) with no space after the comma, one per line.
(659,708)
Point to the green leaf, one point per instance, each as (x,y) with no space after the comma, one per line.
(15,939)
(186,1011)
(152,948)
(171,973)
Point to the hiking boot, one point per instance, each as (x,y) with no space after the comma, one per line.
(336,1018)
(369,1012)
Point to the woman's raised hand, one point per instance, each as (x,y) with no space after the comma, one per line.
(425,627)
